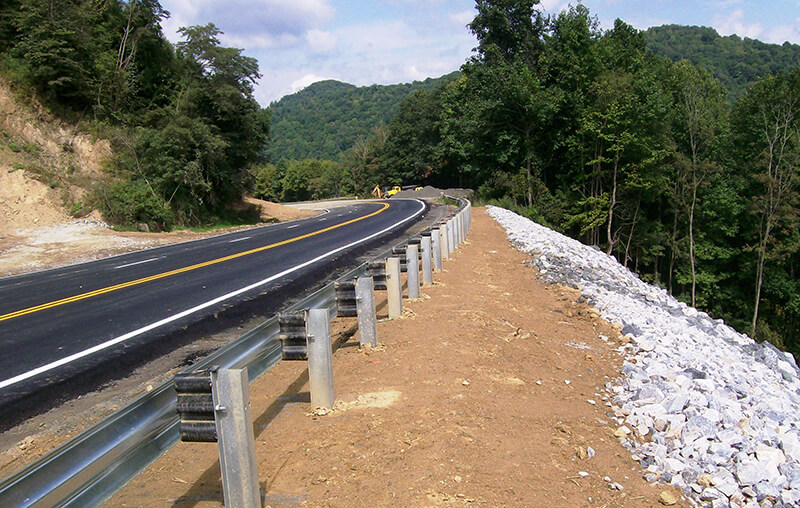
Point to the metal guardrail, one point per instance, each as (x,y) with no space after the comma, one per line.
(89,468)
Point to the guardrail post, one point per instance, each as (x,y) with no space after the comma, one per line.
(412,270)
(237,448)
(377,269)
(459,234)
(436,238)
(293,335)
(427,272)
(400,253)
(365,305)
(451,237)
(394,288)
(320,359)
(445,241)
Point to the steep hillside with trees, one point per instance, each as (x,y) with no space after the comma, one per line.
(328,117)
(736,62)
(592,133)
(183,124)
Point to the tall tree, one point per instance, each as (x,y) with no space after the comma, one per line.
(767,127)
(507,29)
(700,115)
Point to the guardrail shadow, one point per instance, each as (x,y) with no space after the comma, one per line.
(211,478)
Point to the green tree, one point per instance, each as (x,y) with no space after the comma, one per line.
(700,119)
(507,29)
(766,124)
(56,44)
(196,153)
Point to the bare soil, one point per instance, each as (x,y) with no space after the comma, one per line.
(487,392)
(66,241)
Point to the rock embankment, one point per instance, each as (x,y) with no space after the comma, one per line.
(701,406)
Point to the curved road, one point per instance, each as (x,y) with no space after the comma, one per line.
(57,323)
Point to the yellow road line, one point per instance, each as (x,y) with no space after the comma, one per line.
(109,289)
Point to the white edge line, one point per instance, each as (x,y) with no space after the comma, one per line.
(137,263)
(175,317)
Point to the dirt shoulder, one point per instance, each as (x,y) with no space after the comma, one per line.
(488,391)
(62,241)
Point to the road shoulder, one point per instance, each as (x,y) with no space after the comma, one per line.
(487,391)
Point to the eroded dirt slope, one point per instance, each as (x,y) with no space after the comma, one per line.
(46,166)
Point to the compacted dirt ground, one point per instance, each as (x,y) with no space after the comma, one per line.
(487,392)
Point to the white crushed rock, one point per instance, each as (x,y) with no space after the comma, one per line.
(706,409)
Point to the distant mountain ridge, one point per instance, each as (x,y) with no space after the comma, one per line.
(736,62)
(328,117)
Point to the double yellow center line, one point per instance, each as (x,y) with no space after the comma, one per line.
(109,289)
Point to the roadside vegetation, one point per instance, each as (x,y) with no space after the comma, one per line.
(183,123)
(592,133)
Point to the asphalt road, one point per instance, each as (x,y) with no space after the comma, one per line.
(58,323)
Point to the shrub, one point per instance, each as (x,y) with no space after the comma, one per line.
(129,203)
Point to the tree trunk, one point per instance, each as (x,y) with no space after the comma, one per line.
(674,243)
(691,241)
(759,280)
(611,207)
(762,259)
(529,182)
(633,228)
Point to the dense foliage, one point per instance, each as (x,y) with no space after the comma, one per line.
(328,117)
(592,133)
(183,121)
(736,62)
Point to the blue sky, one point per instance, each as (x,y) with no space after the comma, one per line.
(298,42)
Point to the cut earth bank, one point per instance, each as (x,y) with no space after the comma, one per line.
(488,391)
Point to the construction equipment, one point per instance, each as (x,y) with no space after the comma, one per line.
(386,192)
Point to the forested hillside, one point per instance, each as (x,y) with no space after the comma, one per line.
(736,62)
(592,133)
(328,117)
(182,121)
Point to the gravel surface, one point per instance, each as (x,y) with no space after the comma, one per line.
(701,406)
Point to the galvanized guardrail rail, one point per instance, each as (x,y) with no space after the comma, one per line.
(89,468)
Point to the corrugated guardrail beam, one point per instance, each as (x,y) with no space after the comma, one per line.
(90,467)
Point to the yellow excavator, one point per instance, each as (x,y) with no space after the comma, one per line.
(385,192)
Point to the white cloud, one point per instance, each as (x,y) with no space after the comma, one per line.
(261,41)
(462,18)
(304,81)
(321,41)
(553,6)
(734,24)
(301,42)
(783,33)
(249,17)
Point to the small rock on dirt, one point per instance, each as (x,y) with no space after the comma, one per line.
(667,498)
